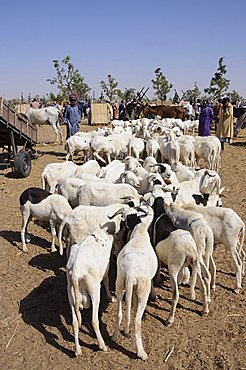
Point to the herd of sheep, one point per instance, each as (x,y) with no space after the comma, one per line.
(140,197)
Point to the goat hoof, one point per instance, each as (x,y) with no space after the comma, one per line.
(25,249)
(53,250)
(78,352)
(237,290)
(193,297)
(205,312)
(168,322)
(103,347)
(143,355)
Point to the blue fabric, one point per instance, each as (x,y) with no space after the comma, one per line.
(205,120)
(72,117)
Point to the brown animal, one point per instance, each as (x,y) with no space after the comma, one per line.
(165,111)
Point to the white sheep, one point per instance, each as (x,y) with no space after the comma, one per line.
(136,267)
(112,171)
(152,147)
(44,206)
(229,230)
(90,167)
(205,182)
(178,251)
(196,224)
(55,172)
(84,219)
(135,147)
(75,144)
(103,194)
(148,164)
(87,266)
(170,149)
(68,188)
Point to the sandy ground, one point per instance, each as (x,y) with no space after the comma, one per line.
(35,318)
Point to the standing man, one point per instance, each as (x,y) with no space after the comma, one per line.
(205,120)
(225,126)
(72,115)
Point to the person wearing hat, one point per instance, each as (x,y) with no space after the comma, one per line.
(72,115)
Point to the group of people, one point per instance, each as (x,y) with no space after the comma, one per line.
(222,114)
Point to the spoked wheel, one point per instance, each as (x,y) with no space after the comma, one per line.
(22,163)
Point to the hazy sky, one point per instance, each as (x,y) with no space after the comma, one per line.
(127,39)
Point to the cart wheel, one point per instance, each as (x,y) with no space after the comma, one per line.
(22,163)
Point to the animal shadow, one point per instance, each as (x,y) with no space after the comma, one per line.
(13,237)
(47,307)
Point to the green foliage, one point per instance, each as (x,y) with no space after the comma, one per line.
(128,94)
(193,94)
(110,88)
(218,84)
(161,85)
(69,80)
(235,96)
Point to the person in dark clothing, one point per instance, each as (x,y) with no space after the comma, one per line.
(72,115)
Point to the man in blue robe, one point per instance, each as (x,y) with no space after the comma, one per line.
(72,115)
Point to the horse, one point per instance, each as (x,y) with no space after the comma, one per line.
(51,115)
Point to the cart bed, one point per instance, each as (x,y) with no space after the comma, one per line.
(25,133)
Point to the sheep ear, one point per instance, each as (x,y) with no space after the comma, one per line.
(175,191)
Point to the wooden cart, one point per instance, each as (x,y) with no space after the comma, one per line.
(17,138)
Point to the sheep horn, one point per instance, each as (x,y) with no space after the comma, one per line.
(119,212)
(168,190)
(128,197)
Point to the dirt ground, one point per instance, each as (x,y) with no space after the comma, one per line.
(35,318)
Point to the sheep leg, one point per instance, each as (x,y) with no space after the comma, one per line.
(97,156)
(119,294)
(108,157)
(213,272)
(152,292)
(25,220)
(106,286)
(60,132)
(206,276)
(202,288)
(75,321)
(142,301)
(94,291)
(68,155)
(129,290)
(157,277)
(242,255)
(173,274)
(53,232)
(238,266)
(53,124)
